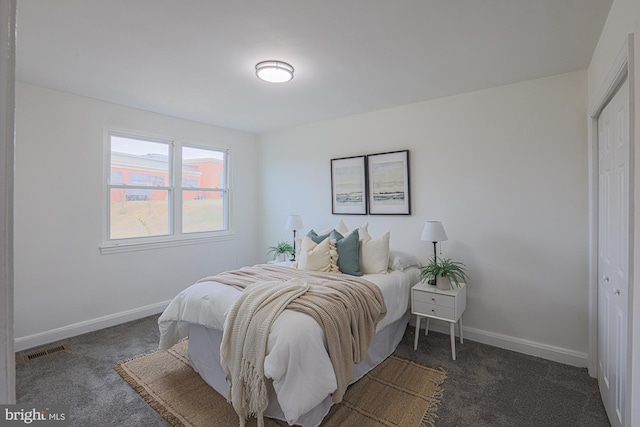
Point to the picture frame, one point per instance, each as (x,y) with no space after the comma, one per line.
(388,183)
(349,186)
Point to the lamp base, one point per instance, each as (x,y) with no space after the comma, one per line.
(293,255)
(432,282)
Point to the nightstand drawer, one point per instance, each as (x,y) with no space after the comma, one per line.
(427,309)
(433,298)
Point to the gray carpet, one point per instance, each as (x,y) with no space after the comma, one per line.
(486,386)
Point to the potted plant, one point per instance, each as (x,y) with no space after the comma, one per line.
(281,250)
(444,271)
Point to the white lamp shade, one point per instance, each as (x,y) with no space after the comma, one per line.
(294,222)
(433,231)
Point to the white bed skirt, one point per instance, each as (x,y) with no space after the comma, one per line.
(204,354)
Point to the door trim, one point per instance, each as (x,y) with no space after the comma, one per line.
(7,107)
(622,68)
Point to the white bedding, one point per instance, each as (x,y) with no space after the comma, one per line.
(296,353)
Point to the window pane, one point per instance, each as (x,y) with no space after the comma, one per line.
(202,211)
(138,213)
(202,168)
(138,162)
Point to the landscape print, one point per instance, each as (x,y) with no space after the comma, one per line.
(348,185)
(389,183)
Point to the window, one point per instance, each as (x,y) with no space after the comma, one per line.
(203,195)
(159,190)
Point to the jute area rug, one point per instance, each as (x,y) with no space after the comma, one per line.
(397,392)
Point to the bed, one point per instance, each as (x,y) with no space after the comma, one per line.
(300,375)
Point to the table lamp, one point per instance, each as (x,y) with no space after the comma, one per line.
(433,231)
(294,222)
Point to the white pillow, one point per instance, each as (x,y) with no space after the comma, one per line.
(363,231)
(318,256)
(341,228)
(374,254)
(400,260)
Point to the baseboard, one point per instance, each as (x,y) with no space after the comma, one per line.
(532,348)
(41,338)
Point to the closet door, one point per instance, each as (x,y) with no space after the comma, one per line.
(613,254)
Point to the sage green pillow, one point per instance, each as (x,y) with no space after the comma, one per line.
(317,238)
(347,247)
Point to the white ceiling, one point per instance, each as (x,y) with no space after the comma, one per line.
(195,58)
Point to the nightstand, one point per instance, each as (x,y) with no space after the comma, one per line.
(282,263)
(433,303)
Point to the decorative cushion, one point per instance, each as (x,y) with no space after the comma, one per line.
(341,228)
(363,231)
(348,249)
(374,254)
(400,260)
(318,256)
(318,238)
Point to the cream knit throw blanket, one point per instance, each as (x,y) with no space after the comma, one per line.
(347,308)
(244,343)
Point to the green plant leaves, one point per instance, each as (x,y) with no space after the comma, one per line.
(282,247)
(444,267)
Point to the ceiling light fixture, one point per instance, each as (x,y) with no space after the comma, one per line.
(274,71)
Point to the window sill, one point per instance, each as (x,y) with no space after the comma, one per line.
(114,248)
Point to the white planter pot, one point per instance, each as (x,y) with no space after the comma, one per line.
(443,283)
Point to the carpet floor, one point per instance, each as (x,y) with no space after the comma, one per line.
(485,386)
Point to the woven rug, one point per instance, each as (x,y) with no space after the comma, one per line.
(398,392)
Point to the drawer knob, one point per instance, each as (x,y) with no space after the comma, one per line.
(433,311)
(433,299)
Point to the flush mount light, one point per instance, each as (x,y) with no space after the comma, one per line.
(274,71)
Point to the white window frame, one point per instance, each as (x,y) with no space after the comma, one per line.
(174,188)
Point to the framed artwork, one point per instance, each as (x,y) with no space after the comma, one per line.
(388,183)
(349,186)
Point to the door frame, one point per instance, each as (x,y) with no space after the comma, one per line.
(622,68)
(7,140)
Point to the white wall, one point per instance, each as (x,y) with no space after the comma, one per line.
(624,19)
(505,169)
(63,286)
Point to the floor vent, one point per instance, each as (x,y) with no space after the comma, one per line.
(46,352)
